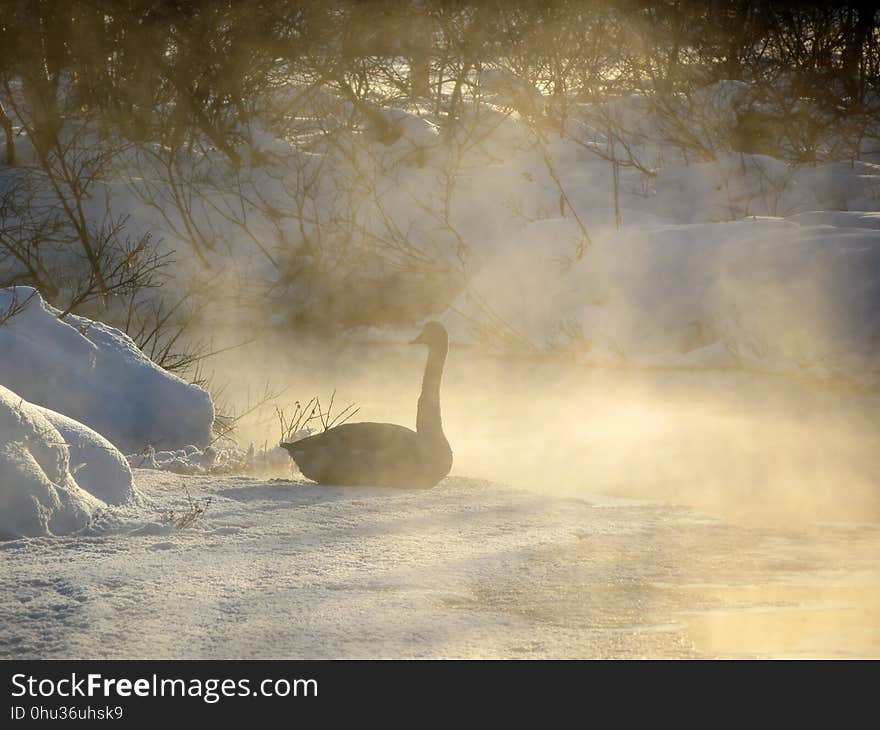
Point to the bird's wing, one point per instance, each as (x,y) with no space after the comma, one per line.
(357,436)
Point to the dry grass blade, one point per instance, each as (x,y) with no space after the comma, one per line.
(292,426)
(190,516)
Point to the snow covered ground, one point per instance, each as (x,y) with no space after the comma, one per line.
(285,569)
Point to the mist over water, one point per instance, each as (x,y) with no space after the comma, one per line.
(757,449)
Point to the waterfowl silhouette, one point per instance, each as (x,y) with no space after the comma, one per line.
(384,454)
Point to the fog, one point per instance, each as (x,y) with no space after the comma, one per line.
(768,527)
(754,448)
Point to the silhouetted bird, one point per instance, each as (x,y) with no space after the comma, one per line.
(384,454)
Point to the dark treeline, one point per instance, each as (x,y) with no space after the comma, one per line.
(168,68)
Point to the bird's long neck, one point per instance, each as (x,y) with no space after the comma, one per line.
(428,421)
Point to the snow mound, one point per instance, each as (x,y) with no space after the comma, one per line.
(97,376)
(97,466)
(38,494)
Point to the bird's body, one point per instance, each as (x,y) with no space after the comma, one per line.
(362,454)
(384,454)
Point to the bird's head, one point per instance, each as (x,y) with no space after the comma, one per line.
(433,334)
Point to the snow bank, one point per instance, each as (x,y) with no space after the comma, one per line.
(38,492)
(764,293)
(97,376)
(97,466)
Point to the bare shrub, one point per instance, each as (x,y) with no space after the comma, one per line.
(192,515)
(298,423)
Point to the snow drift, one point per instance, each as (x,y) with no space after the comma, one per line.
(97,376)
(97,466)
(39,492)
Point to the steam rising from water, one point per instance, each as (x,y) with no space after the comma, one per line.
(753,448)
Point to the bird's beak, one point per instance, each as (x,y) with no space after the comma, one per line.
(417,341)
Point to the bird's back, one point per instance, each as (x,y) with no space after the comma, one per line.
(367,454)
